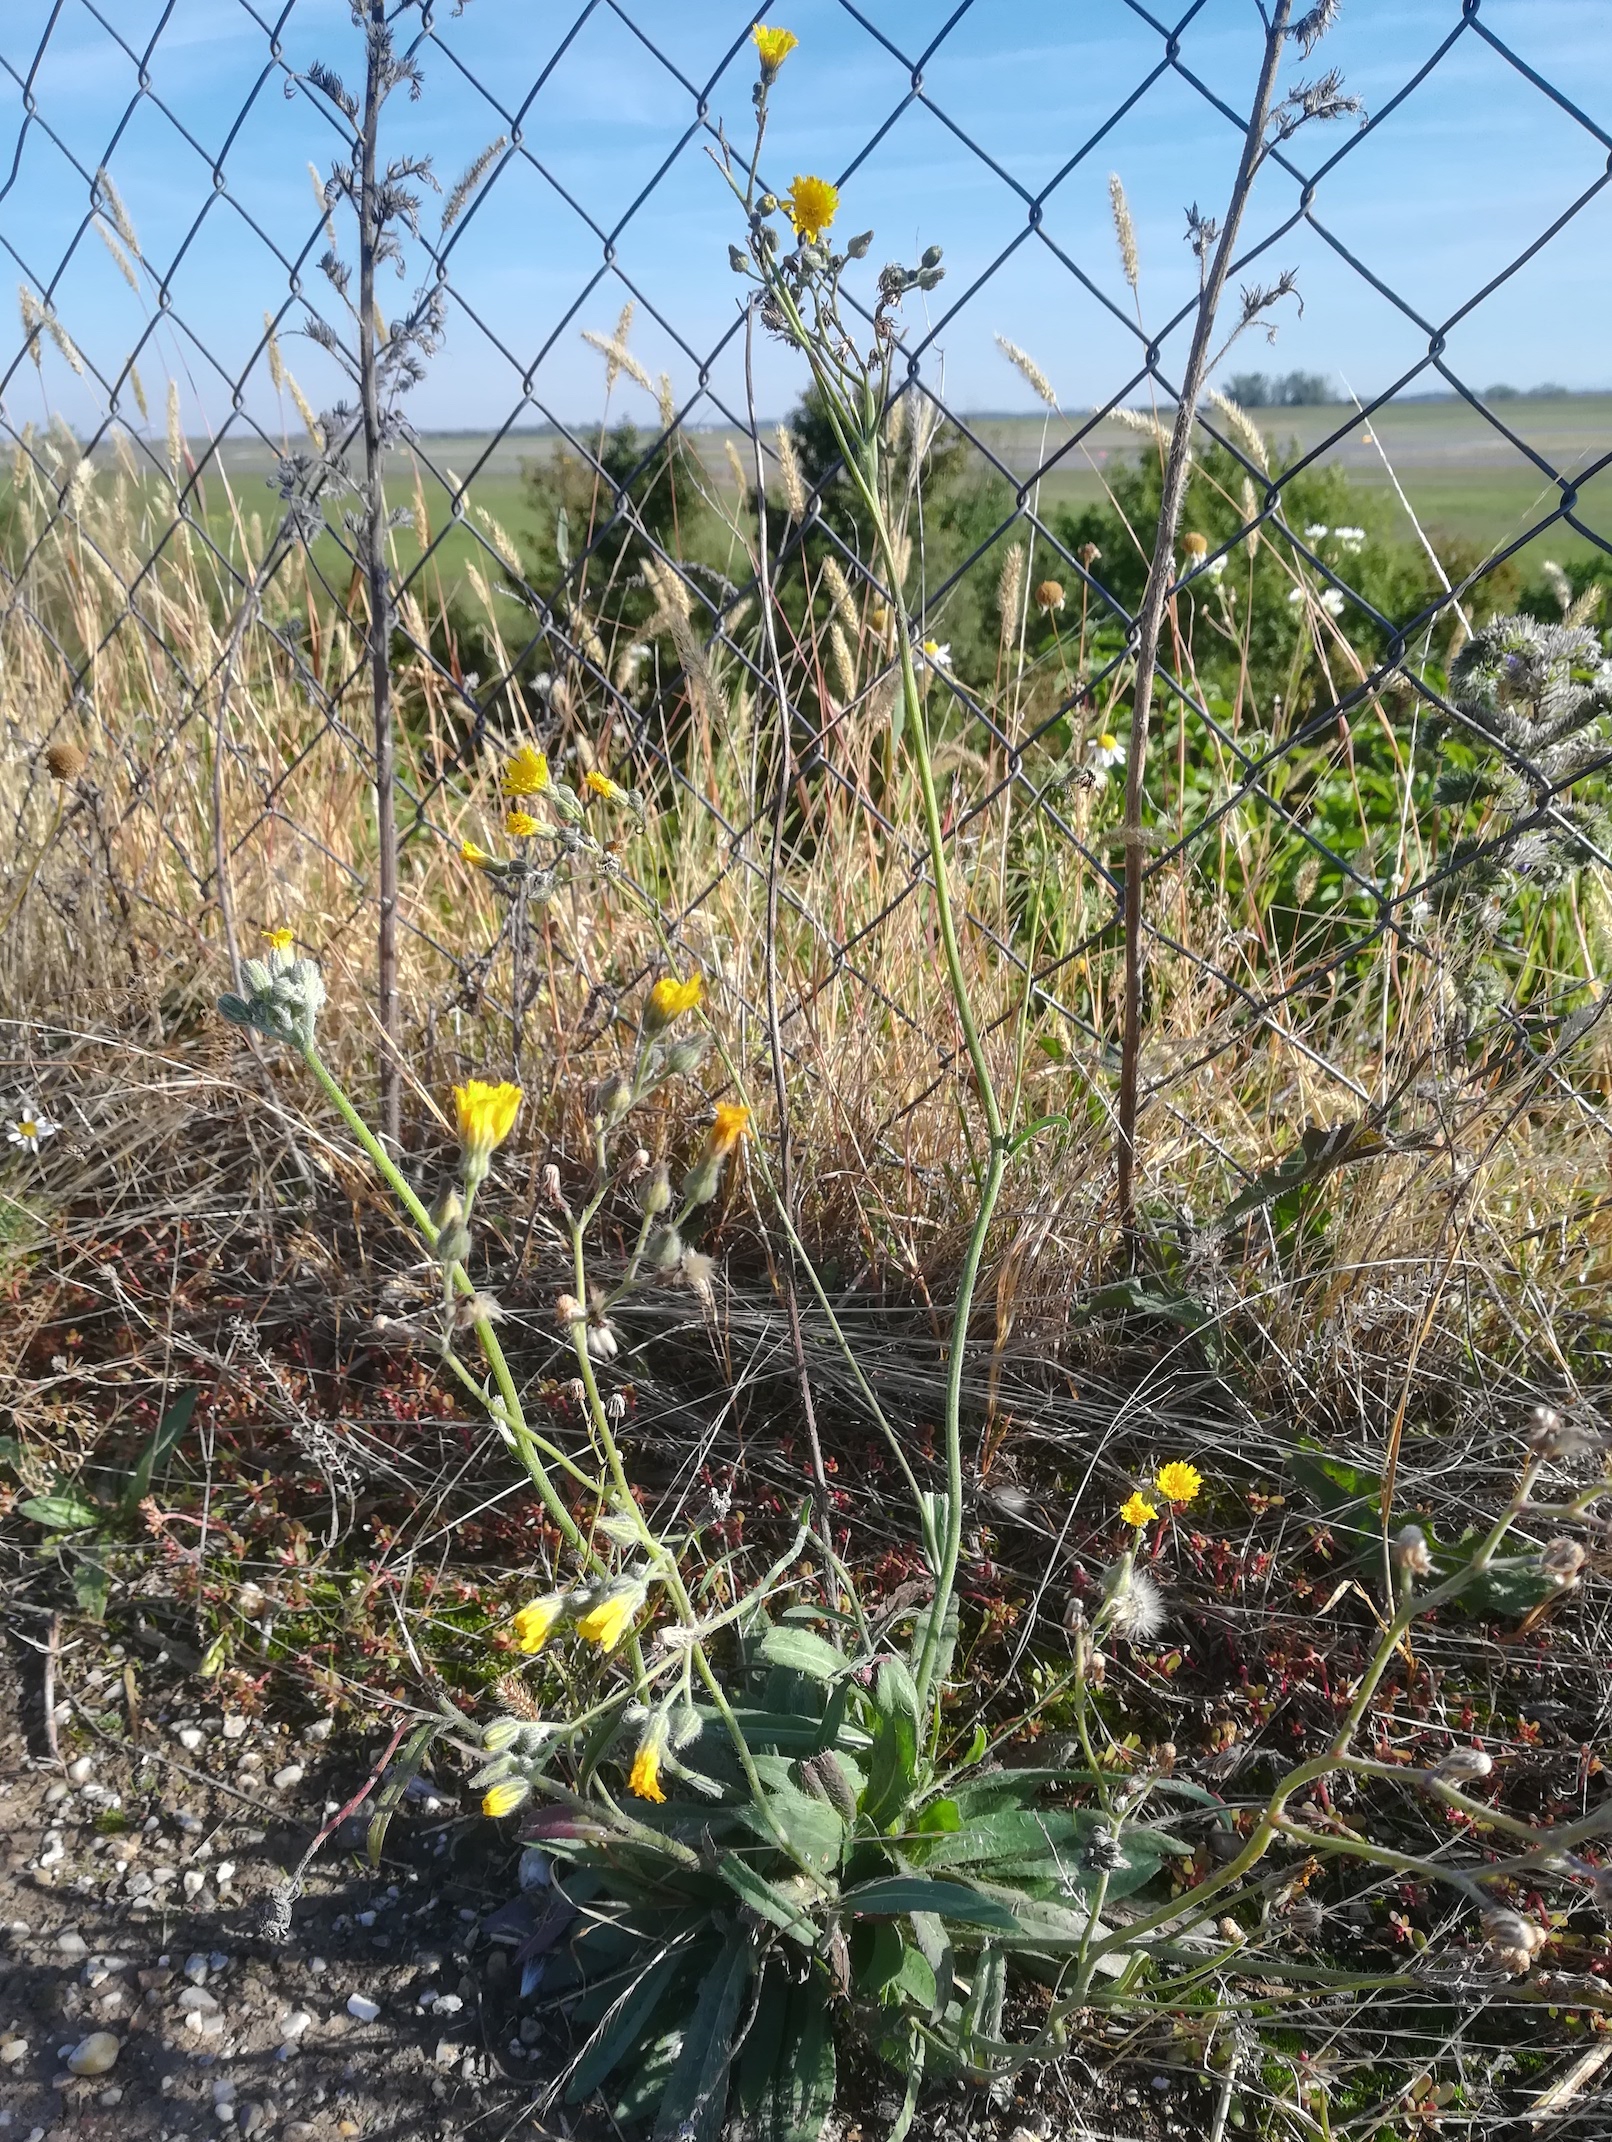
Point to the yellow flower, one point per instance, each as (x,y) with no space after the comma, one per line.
(478,858)
(811,203)
(527,773)
(774,46)
(519,825)
(280,941)
(669,999)
(608,1622)
(534,1624)
(486,1115)
(602,785)
(1138,1511)
(1179,1481)
(645,1777)
(1195,545)
(504,1797)
(730,1126)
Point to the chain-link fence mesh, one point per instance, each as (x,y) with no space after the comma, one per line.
(198,550)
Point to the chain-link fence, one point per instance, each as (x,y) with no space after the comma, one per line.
(278,601)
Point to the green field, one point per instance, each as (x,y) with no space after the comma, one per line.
(1465,483)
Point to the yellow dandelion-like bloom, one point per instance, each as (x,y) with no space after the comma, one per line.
(812,204)
(669,999)
(732,1122)
(478,858)
(1179,1482)
(534,1624)
(645,1776)
(280,940)
(504,1797)
(775,47)
(602,785)
(608,1622)
(520,825)
(527,773)
(486,1115)
(1138,1511)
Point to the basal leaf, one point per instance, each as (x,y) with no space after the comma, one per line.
(624,2024)
(804,1651)
(696,2095)
(897,1894)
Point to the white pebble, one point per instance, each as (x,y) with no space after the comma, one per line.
(196,1968)
(360,2005)
(197,2001)
(293,2024)
(82,1771)
(70,1942)
(95,2054)
(190,1738)
(224,1873)
(289,1776)
(319,1730)
(234,1726)
(195,1883)
(223,2091)
(448,2004)
(13,2052)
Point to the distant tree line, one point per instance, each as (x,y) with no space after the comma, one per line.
(1280,390)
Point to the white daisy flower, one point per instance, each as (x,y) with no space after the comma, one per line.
(935,655)
(31,1124)
(1295,594)
(1215,567)
(1332,602)
(1350,538)
(1315,531)
(1104,752)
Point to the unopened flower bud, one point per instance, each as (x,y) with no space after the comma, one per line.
(857,247)
(931,257)
(929,277)
(767,205)
(612,1098)
(1410,1552)
(1462,1766)
(1305,1916)
(1560,1561)
(738,260)
(666,1250)
(656,1194)
(1551,1436)
(551,1185)
(453,1245)
(685,1058)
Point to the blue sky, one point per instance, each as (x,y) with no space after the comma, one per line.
(1457,181)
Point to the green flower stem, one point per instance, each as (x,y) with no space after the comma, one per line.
(513,1414)
(664,1562)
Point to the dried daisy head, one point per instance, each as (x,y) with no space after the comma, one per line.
(65,760)
(1133,1605)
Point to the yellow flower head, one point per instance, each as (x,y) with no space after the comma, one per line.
(504,1797)
(645,1777)
(477,858)
(1179,1481)
(280,941)
(669,999)
(775,47)
(527,773)
(602,785)
(519,825)
(732,1122)
(1195,545)
(486,1115)
(608,1622)
(1138,1511)
(1108,741)
(811,204)
(534,1624)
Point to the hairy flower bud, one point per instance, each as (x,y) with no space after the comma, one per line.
(666,1250)
(1410,1553)
(836,1785)
(1512,1941)
(656,1194)
(1462,1766)
(1561,1561)
(857,248)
